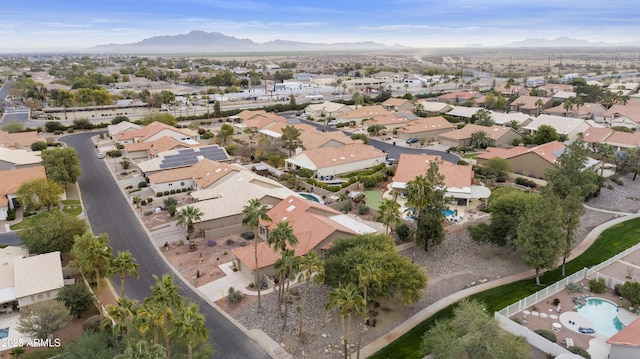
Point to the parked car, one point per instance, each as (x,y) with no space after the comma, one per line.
(332,123)
(412,140)
(390,161)
(100,155)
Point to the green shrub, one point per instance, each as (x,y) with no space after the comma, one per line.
(230,242)
(362,208)
(234,295)
(11,214)
(580,351)
(616,181)
(173,191)
(616,289)
(247,235)
(547,334)
(516,320)
(166,193)
(598,285)
(92,324)
(525,182)
(142,184)
(403,231)
(57,132)
(38,146)
(346,207)
(574,288)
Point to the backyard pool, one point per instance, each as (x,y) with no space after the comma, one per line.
(603,314)
(312,197)
(448,212)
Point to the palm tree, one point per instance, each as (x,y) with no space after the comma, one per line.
(151,316)
(166,297)
(291,266)
(122,314)
(101,255)
(124,264)
(479,139)
(567,105)
(388,214)
(142,350)
(254,212)
(419,194)
(348,300)
(187,216)
(539,105)
(279,238)
(190,325)
(311,267)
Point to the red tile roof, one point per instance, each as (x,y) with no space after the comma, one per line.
(20,139)
(412,165)
(545,151)
(11,180)
(627,336)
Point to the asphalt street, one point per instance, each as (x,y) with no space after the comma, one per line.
(109,212)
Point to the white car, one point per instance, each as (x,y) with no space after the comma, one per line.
(100,155)
(333,123)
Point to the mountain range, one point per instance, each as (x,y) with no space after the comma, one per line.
(215,42)
(567,42)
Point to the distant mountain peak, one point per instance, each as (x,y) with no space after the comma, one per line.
(562,41)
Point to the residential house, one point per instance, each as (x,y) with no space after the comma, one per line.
(8,255)
(394,104)
(512,90)
(16,158)
(334,161)
(568,126)
(589,110)
(563,95)
(326,109)
(148,150)
(530,104)
(622,86)
(435,107)
(37,278)
(316,227)
(199,176)
(429,128)
(247,115)
(555,88)
(528,161)
(626,343)
(458,179)
(506,119)
(618,139)
(123,126)
(182,158)
(361,113)
(459,97)
(18,140)
(311,137)
(389,121)
(497,135)
(10,182)
(222,202)
(627,115)
(464,113)
(154,131)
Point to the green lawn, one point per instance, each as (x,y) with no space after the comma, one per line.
(72,207)
(611,242)
(373,198)
(471,156)
(34,218)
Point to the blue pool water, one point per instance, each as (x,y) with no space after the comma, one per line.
(603,314)
(448,212)
(309,197)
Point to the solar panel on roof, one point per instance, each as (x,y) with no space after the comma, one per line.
(186,150)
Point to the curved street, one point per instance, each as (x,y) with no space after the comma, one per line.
(109,212)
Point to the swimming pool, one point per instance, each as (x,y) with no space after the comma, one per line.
(311,197)
(448,212)
(603,315)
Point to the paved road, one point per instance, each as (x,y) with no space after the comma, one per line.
(109,212)
(390,149)
(10,239)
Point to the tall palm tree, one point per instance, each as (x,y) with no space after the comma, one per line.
(388,214)
(254,212)
(101,255)
(291,265)
(142,349)
(166,296)
(567,105)
(348,300)
(479,139)
(123,313)
(186,217)
(419,194)
(281,237)
(124,264)
(539,104)
(151,316)
(189,324)
(311,267)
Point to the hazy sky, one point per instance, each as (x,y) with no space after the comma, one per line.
(77,24)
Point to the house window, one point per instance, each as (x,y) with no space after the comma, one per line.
(263,231)
(182,184)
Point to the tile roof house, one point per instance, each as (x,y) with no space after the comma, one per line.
(510,90)
(315,225)
(626,343)
(123,126)
(334,161)
(528,161)
(389,121)
(498,135)
(568,126)
(10,182)
(37,278)
(395,104)
(261,122)
(505,119)
(555,88)
(148,150)
(592,111)
(154,131)
(620,140)
(361,113)
(327,109)
(527,104)
(311,137)
(459,96)
(199,176)
(8,256)
(182,158)
(457,179)
(435,107)
(429,128)
(18,140)
(617,113)
(16,158)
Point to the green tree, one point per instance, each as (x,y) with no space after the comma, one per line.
(631,292)
(61,164)
(54,231)
(13,127)
(162,305)
(93,253)
(39,192)
(43,319)
(225,133)
(348,300)
(357,99)
(254,212)
(166,118)
(38,146)
(187,216)
(281,238)
(100,345)
(375,129)
(77,298)
(570,171)
(571,210)
(567,105)
(419,195)
(291,138)
(472,333)
(189,325)
(431,229)
(122,265)
(142,349)
(545,134)
(480,139)
(170,205)
(311,268)
(497,168)
(540,234)
(482,117)
(388,214)
(401,279)
(289,264)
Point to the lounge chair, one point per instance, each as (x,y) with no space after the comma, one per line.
(569,342)
(585,330)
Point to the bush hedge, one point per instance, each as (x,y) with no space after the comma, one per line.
(525,182)
(580,351)
(547,334)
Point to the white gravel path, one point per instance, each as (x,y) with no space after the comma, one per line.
(451,266)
